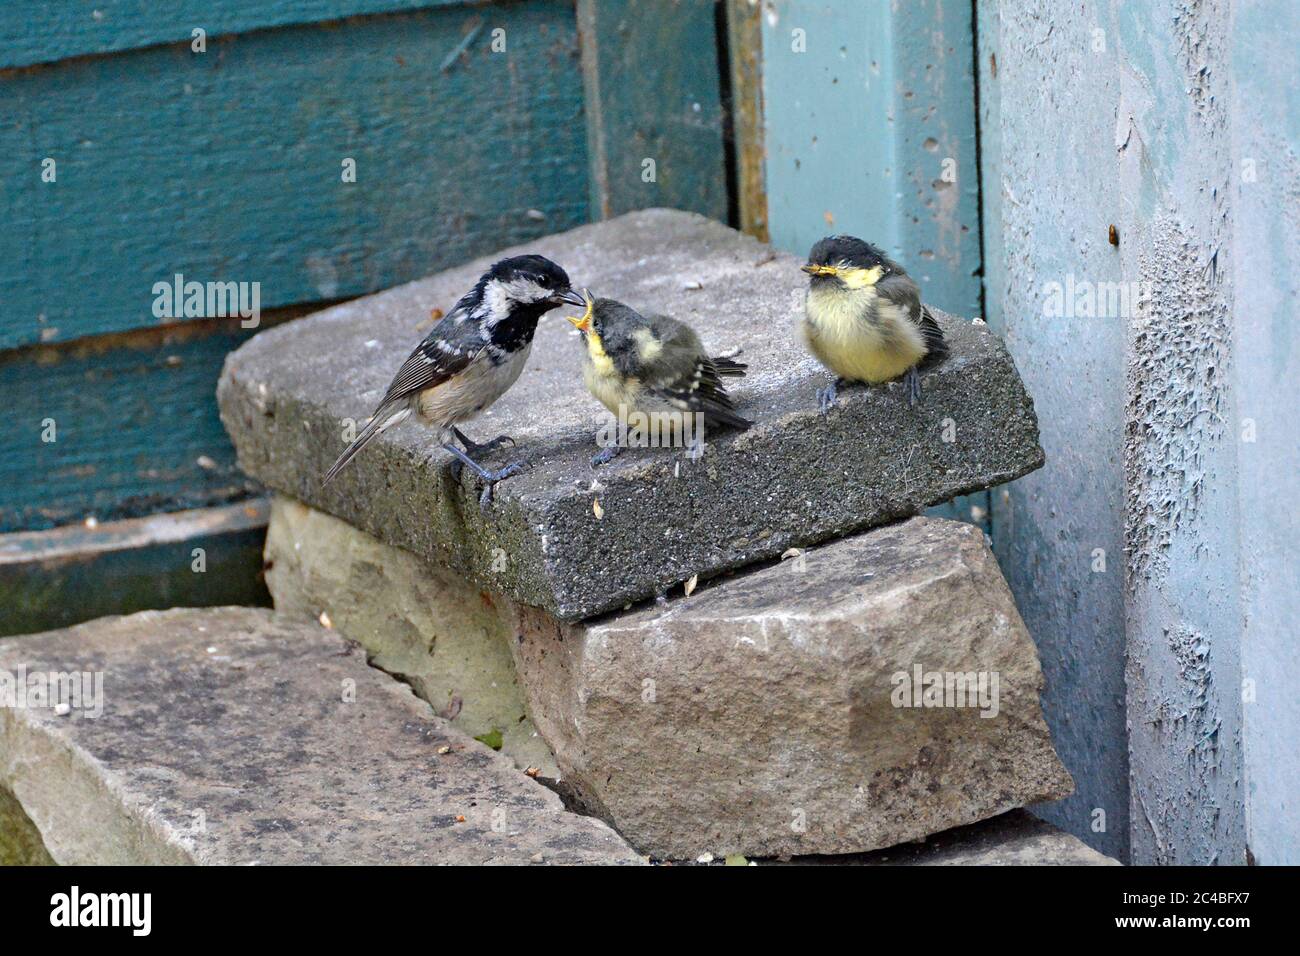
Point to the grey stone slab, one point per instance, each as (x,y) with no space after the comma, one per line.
(1017,838)
(445,637)
(778,712)
(229,735)
(797,478)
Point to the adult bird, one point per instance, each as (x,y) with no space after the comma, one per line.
(468,360)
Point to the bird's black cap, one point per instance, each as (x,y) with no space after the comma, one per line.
(834,250)
(540,269)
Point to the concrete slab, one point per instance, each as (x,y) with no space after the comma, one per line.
(579,542)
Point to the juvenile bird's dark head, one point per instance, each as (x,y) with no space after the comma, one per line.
(848,261)
(601,315)
(608,325)
(531,281)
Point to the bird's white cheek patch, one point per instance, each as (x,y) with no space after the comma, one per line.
(861,278)
(647,346)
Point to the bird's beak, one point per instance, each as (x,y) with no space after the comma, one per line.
(813,270)
(583,324)
(570,297)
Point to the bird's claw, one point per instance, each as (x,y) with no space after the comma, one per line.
(491,478)
(493,444)
(912,386)
(606,455)
(826,397)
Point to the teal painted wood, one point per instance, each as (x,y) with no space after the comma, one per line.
(227,166)
(53,579)
(871,131)
(44,31)
(652,80)
(130,424)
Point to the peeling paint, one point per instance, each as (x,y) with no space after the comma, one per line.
(1175,394)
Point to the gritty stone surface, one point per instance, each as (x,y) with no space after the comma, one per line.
(797,478)
(758,715)
(447,638)
(1017,838)
(227,737)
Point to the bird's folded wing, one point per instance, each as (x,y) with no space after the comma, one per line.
(447,350)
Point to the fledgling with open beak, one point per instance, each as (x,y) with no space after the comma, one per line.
(864,319)
(652,364)
(469,359)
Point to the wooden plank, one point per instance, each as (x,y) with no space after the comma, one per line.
(134,425)
(51,579)
(650,72)
(868,106)
(43,31)
(227,166)
(745,49)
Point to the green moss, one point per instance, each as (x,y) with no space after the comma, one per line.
(20,841)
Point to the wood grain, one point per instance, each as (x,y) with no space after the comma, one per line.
(227,166)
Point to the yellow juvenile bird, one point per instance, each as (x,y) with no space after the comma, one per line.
(652,365)
(864,319)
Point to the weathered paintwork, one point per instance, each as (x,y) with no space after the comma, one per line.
(1265,104)
(651,78)
(228,165)
(61,577)
(43,31)
(1154,556)
(117,427)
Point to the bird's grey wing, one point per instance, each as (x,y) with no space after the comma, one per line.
(902,290)
(447,350)
(685,376)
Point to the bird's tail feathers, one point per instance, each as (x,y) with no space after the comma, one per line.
(716,414)
(936,347)
(728,367)
(384,418)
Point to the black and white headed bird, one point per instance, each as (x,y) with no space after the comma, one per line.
(864,319)
(469,359)
(652,365)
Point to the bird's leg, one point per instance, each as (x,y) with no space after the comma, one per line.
(489,478)
(606,455)
(912,385)
(474,448)
(826,396)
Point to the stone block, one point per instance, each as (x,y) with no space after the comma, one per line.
(232,736)
(788,711)
(447,638)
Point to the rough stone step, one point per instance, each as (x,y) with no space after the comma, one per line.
(229,735)
(1017,838)
(754,716)
(449,640)
(580,542)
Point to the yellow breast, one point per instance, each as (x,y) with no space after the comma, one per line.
(839,331)
(603,380)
